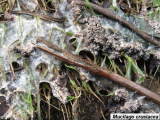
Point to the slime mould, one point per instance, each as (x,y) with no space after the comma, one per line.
(97,39)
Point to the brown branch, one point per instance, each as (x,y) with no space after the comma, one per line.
(43,17)
(109,14)
(49,44)
(76,60)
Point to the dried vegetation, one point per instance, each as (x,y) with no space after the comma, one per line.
(61,91)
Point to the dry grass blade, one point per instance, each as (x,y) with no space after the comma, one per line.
(46,5)
(11,4)
(6,5)
(42,4)
(3,1)
(43,17)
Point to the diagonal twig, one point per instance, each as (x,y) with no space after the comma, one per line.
(76,60)
(109,14)
(43,17)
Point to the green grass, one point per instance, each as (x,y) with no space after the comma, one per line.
(2,73)
(32,83)
(87,88)
(2,33)
(70,67)
(132,66)
(156,3)
(112,66)
(27,99)
(156,12)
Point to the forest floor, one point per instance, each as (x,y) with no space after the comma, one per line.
(78,59)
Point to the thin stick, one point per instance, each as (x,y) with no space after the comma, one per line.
(43,17)
(49,44)
(72,59)
(109,14)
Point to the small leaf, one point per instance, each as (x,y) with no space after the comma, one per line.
(70,67)
(73,83)
(70,98)
(132,66)
(110,94)
(128,69)
(69,33)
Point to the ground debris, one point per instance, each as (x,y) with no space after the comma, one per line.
(121,102)
(131,106)
(3,105)
(59,88)
(121,95)
(76,10)
(6,17)
(155,24)
(90,109)
(25,50)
